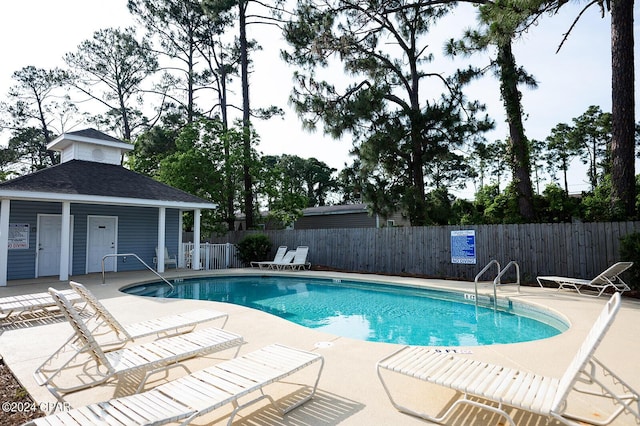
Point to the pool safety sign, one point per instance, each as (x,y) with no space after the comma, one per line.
(18,236)
(463,247)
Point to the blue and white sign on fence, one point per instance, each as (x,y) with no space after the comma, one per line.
(463,247)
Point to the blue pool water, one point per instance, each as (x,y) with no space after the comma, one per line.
(371,311)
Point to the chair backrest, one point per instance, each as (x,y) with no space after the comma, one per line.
(80,328)
(166,256)
(301,255)
(588,347)
(282,250)
(288,257)
(103,316)
(612,272)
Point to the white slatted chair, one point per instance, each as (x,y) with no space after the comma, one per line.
(286,260)
(25,307)
(532,392)
(607,279)
(168,260)
(102,323)
(268,264)
(82,363)
(198,393)
(299,260)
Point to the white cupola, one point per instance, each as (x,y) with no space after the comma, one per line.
(90,145)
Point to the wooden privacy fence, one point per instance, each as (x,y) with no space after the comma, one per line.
(580,250)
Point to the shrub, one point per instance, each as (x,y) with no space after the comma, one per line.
(630,252)
(254,247)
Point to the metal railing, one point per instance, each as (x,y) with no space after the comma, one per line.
(485,269)
(496,280)
(212,256)
(171,286)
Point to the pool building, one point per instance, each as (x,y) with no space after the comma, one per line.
(63,220)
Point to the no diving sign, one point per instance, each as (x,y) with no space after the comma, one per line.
(463,247)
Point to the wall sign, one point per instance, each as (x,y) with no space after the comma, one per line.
(463,247)
(18,236)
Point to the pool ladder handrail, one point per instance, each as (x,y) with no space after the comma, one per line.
(496,280)
(485,269)
(171,286)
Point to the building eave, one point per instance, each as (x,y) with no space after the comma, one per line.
(66,139)
(89,199)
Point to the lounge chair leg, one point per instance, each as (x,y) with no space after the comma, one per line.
(158,370)
(462,400)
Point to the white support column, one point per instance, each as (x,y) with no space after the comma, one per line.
(65,241)
(195,261)
(162,219)
(5,210)
(181,257)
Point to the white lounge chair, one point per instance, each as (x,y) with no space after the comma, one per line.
(102,323)
(268,264)
(609,278)
(286,260)
(83,363)
(201,392)
(168,260)
(532,392)
(26,307)
(299,260)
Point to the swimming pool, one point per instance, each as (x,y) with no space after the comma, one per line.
(372,311)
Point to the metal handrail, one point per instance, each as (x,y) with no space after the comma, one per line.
(475,281)
(141,261)
(496,281)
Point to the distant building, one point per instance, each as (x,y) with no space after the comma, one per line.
(345,216)
(338,216)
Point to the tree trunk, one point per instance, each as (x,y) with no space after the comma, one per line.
(519,148)
(622,111)
(246,116)
(222,94)
(417,206)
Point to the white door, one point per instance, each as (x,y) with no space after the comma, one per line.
(101,240)
(49,230)
(48,241)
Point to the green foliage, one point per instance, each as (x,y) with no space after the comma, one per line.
(28,147)
(287,184)
(157,143)
(556,205)
(439,209)
(591,133)
(254,247)
(597,204)
(202,166)
(464,212)
(406,119)
(630,252)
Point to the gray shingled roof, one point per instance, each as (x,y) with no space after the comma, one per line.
(100,180)
(337,209)
(94,134)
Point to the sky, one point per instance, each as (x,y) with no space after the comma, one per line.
(40,32)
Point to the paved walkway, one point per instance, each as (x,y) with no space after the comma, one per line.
(349,390)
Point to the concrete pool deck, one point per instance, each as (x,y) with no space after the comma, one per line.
(349,392)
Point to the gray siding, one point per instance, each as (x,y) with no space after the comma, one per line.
(137,233)
(22,262)
(343,220)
